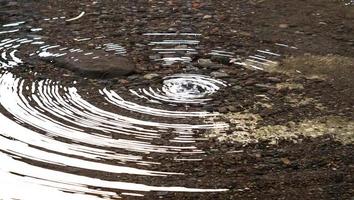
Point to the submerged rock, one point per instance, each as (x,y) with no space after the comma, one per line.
(219,74)
(205,62)
(97,65)
(151,76)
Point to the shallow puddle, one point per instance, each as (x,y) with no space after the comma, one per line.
(48,123)
(62,140)
(51,123)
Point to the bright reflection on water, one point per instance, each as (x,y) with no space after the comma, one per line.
(179,88)
(48,128)
(349,3)
(49,131)
(55,111)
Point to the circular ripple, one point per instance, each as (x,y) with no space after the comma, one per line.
(183,89)
(52,130)
(69,131)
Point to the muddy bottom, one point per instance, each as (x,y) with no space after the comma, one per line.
(183,99)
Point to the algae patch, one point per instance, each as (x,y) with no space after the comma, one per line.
(244,129)
(337,69)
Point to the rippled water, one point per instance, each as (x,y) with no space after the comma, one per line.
(173,51)
(49,128)
(349,3)
(51,131)
(53,124)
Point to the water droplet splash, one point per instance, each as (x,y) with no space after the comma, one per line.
(176,89)
(183,88)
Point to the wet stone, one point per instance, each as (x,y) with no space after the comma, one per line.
(133,77)
(97,66)
(151,76)
(207,17)
(155,57)
(223,109)
(236,88)
(250,82)
(274,79)
(219,74)
(263,87)
(221,59)
(231,108)
(209,108)
(205,62)
(283,25)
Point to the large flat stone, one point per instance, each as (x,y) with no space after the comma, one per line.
(97,65)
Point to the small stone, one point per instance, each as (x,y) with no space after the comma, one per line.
(283,25)
(285,161)
(264,87)
(291,124)
(163,193)
(231,108)
(250,82)
(205,62)
(172,29)
(12,3)
(99,65)
(155,57)
(181,47)
(191,68)
(221,59)
(236,88)
(123,81)
(207,17)
(151,76)
(132,77)
(140,45)
(208,108)
(222,109)
(243,33)
(274,79)
(219,74)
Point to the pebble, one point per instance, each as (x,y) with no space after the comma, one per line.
(205,62)
(155,57)
(274,79)
(207,17)
(123,81)
(291,124)
(102,67)
(283,25)
(221,59)
(236,88)
(231,108)
(181,46)
(264,86)
(219,74)
(151,76)
(208,108)
(163,193)
(223,109)
(250,82)
(132,77)
(285,161)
